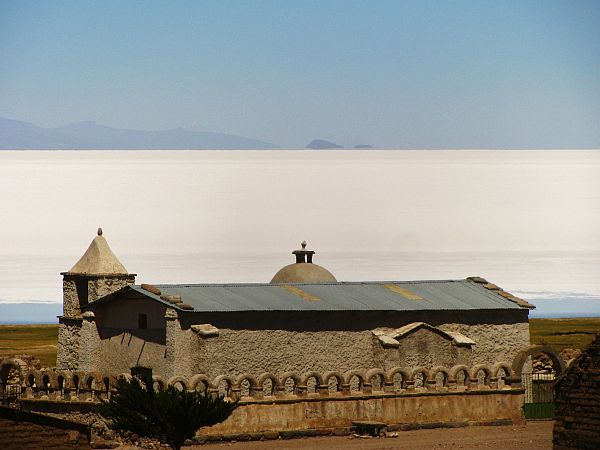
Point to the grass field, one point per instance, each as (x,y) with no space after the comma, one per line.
(40,340)
(564,333)
(37,340)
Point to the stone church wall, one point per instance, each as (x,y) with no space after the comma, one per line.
(423,348)
(67,356)
(122,344)
(170,346)
(493,341)
(253,351)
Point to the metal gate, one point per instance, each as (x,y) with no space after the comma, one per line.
(9,394)
(539,395)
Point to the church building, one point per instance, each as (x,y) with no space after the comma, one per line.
(302,320)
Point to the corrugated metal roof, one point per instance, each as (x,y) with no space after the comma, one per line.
(340,296)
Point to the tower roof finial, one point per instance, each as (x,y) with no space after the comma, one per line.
(303,244)
(98,259)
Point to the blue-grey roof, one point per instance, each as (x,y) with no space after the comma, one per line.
(339,296)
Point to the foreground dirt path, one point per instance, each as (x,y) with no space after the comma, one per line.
(533,436)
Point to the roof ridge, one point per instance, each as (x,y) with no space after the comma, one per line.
(328,283)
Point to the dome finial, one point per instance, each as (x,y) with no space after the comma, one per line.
(99,231)
(303,244)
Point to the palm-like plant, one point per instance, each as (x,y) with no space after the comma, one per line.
(172,416)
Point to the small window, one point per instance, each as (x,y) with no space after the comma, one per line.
(82,291)
(142,321)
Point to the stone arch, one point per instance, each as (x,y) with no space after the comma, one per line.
(48,380)
(229,384)
(106,384)
(499,381)
(339,380)
(33,378)
(307,376)
(390,374)
(195,380)
(274,383)
(504,366)
(112,380)
(63,382)
(178,380)
(311,374)
(419,371)
(360,376)
(283,381)
(455,370)
(371,373)
(92,381)
(15,363)
(160,383)
(532,350)
(252,384)
(75,381)
(433,375)
(473,374)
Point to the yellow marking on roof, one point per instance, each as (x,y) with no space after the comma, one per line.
(299,292)
(408,295)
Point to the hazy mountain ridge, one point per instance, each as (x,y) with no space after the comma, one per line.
(18,135)
(321,144)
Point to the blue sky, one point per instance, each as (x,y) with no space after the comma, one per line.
(484,74)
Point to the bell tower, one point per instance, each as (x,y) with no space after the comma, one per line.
(97,273)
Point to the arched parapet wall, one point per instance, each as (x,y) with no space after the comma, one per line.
(246,387)
(521,358)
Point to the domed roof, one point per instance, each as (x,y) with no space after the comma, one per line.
(303,273)
(98,259)
(303,270)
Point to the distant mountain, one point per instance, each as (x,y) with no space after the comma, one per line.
(17,135)
(319,144)
(362,146)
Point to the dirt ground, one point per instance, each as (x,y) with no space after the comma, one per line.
(533,436)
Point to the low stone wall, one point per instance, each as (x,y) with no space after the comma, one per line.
(25,430)
(334,415)
(291,403)
(94,386)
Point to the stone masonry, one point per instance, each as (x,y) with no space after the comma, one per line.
(577,397)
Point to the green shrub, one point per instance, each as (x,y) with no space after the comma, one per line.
(172,416)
